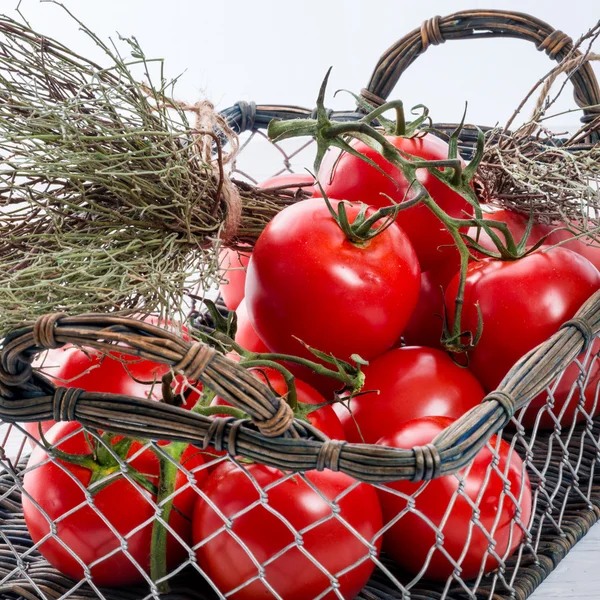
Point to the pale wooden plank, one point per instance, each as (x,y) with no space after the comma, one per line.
(577,577)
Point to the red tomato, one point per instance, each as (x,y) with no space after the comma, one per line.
(306,279)
(412,382)
(57,491)
(245,335)
(292,575)
(497,510)
(289,179)
(94,372)
(523,303)
(350,178)
(426,326)
(587,247)
(323,418)
(116,373)
(233,265)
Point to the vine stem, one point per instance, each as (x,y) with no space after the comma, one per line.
(164,499)
(290,381)
(353,380)
(209,411)
(450,171)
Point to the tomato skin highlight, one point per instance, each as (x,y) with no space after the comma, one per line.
(350,178)
(84,531)
(522,304)
(413,382)
(434,500)
(303,267)
(292,575)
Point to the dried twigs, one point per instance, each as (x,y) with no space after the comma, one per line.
(108,203)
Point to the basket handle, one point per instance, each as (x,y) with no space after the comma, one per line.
(477,24)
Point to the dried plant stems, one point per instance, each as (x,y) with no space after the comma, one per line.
(106,201)
(530,171)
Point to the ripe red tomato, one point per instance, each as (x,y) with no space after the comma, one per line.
(94,372)
(323,418)
(233,265)
(586,246)
(434,500)
(289,179)
(412,382)
(350,178)
(116,373)
(292,575)
(522,304)
(306,279)
(57,491)
(426,326)
(245,335)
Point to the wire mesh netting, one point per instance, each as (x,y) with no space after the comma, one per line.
(231,528)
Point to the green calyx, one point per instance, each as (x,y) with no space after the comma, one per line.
(508,250)
(364,228)
(104,461)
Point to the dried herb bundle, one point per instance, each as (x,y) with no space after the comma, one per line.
(559,184)
(107,200)
(532,171)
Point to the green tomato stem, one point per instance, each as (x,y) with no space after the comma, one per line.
(352,380)
(166,487)
(208,411)
(290,381)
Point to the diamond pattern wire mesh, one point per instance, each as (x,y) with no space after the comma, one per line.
(560,463)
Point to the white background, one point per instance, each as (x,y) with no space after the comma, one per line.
(277,51)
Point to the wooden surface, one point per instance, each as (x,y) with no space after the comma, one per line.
(577,577)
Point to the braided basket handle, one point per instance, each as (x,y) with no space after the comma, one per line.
(477,24)
(276,439)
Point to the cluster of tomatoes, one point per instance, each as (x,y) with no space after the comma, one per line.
(322,276)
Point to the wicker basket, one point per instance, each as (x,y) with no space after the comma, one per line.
(561,463)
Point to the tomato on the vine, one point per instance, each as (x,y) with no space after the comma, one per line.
(347,177)
(307,281)
(59,493)
(522,303)
(517,225)
(483,485)
(405,384)
(256,529)
(557,233)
